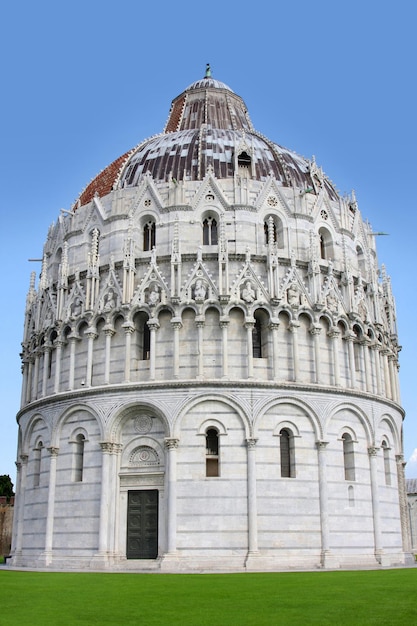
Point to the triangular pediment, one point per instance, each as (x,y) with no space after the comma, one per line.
(209,192)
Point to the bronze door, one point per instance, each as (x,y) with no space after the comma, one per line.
(142,524)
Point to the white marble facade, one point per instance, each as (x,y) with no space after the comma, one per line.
(210,365)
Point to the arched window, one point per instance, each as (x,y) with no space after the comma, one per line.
(210,232)
(348,457)
(286,447)
(212,452)
(37,458)
(78,462)
(244,163)
(326,244)
(260,335)
(257,339)
(149,238)
(387,469)
(143,337)
(274,231)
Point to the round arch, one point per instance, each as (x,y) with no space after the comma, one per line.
(56,433)
(307,410)
(127,411)
(229,402)
(361,415)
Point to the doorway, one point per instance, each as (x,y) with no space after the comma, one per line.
(142,524)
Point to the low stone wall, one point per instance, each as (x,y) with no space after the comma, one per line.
(6,525)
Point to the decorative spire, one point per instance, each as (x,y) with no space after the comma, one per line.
(208,71)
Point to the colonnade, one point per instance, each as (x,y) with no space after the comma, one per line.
(377,365)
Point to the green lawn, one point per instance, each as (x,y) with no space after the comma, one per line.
(57,599)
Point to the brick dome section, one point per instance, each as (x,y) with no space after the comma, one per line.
(103,183)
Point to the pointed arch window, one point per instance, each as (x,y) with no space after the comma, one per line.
(286,447)
(149,235)
(348,456)
(212,452)
(210,231)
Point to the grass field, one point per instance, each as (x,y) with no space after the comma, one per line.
(336,598)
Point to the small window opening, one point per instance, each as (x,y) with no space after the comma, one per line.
(348,457)
(212,452)
(286,445)
(146,353)
(149,238)
(351,496)
(244,160)
(79,458)
(210,232)
(37,454)
(257,339)
(387,469)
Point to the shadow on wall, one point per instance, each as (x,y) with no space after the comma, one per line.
(6,524)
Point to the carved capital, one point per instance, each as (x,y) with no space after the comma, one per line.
(251,443)
(53,451)
(321,445)
(171,443)
(373,450)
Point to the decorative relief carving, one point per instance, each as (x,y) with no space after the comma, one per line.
(143,424)
(144,456)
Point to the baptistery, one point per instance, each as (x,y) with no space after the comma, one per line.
(210,365)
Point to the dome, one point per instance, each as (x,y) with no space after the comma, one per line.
(208,130)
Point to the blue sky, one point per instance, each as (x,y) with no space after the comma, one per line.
(85,81)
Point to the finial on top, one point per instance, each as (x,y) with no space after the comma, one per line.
(208,71)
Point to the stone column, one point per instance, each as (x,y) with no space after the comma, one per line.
(22,473)
(334,335)
(176,325)
(199,322)
(36,376)
(224,324)
(114,489)
(324,501)
(274,326)
(293,328)
(402,493)
(171,445)
(375,349)
(315,332)
(108,332)
(25,374)
(349,340)
(58,353)
(372,451)
(252,500)
(91,335)
(368,378)
(129,330)
(249,325)
(392,377)
(72,341)
(388,391)
(46,361)
(49,532)
(103,547)
(153,327)
(29,370)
